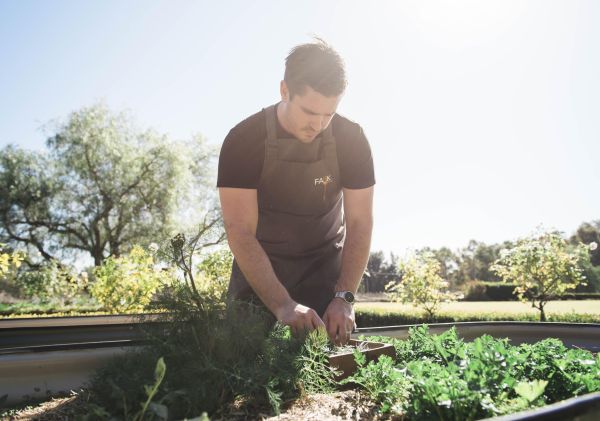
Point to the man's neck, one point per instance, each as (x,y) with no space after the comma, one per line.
(281,117)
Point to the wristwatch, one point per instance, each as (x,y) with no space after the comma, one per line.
(347,296)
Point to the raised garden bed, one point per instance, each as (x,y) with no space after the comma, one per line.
(470,375)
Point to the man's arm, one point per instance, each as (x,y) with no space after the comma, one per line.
(240,215)
(358,211)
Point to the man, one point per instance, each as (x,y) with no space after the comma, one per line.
(296,189)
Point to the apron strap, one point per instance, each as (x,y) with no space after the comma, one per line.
(271,118)
(271,141)
(328,145)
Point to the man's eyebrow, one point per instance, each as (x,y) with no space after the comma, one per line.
(307,111)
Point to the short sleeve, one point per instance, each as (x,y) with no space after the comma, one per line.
(354,157)
(240,162)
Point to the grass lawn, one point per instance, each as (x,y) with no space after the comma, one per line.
(505,307)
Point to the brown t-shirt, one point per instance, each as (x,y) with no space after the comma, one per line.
(243,153)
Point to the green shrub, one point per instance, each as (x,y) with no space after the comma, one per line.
(10,261)
(128,283)
(217,353)
(474,291)
(217,266)
(580,296)
(215,357)
(52,283)
(421,284)
(490,291)
(33,284)
(378,318)
(499,291)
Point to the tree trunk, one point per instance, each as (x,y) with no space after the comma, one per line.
(97,258)
(542,314)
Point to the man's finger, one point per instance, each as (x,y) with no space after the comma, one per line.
(339,328)
(327,323)
(331,329)
(317,322)
(347,333)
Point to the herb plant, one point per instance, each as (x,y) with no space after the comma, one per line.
(442,377)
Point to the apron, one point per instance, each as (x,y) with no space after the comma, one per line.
(300,218)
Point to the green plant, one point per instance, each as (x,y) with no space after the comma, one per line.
(314,372)
(128,283)
(489,291)
(218,353)
(158,409)
(52,283)
(450,379)
(369,318)
(421,284)
(386,384)
(542,266)
(10,261)
(232,357)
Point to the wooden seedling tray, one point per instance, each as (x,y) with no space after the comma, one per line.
(344,362)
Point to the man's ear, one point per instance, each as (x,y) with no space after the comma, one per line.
(283,90)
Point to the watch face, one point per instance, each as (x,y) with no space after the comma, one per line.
(349,297)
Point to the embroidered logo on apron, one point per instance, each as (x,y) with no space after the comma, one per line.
(324,181)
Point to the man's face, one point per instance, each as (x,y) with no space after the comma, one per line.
(306,114)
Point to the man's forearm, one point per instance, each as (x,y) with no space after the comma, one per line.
(259,273)
(355,255)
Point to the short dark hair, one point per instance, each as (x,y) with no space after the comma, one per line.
(316,65)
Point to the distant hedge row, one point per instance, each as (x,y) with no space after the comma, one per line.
(497,291)
(376,318)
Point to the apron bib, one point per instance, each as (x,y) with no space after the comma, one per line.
(300,217)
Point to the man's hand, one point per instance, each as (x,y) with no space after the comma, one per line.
(339,319)
(299,318)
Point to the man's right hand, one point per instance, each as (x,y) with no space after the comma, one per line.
(299,318)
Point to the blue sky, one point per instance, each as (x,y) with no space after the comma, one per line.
(482,115)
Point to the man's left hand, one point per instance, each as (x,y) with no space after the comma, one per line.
(339,320)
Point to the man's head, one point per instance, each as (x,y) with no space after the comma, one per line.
(313,84)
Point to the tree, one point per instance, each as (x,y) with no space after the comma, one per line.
(380,271)
(587,233)
(543,266)
(474,262)
(421,284)
(467,266)
(102,186)
(449,264)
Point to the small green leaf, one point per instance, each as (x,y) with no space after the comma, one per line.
(531,390)
(161,368)
(359,357)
